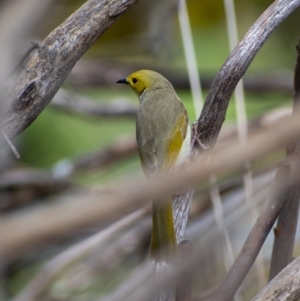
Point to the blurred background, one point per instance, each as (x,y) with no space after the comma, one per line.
(86,138)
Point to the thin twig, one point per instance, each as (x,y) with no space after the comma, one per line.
(12,147)
(71,102)
(241,115)
(219,217)
(285,286)
(190,56)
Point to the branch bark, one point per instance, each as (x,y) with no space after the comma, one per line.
(285,286)
(50,65)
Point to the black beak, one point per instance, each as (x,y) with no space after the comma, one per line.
(122,81)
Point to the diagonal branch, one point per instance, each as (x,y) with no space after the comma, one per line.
(215,107)
(285,286)
(51,64)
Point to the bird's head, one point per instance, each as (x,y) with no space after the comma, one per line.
(141,80)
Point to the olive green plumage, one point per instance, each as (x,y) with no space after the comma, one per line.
(163,139)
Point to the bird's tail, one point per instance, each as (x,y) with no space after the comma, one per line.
(163,240)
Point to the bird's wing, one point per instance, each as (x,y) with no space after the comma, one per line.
(159,154)
(148,158)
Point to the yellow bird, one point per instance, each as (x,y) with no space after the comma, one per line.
(163,137)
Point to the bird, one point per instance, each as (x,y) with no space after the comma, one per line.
(163,136)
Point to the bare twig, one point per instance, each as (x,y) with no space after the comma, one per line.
(285,286)
(190,56)
(12,147)
(73,103)
(285,230)
(241,115)
(119,150)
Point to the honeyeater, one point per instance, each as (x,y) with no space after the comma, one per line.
(163,138)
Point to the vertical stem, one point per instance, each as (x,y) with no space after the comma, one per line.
(190,56)
(241,115)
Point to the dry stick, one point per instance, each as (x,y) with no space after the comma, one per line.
(28,227)
(51,64)
(119,150)
(59,263)
(71,102)
(214,189)
(241,115)
(285,286)
(190,56)
(285,230)
(62,170)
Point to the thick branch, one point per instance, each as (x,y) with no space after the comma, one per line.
(285,286)
(215,107)
(48,68)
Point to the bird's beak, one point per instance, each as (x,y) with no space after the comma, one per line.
(122,81)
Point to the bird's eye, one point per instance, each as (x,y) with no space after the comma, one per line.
(134,80)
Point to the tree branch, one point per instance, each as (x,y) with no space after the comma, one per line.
(215,107)
(71,102)
(50,65)
(285,286)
